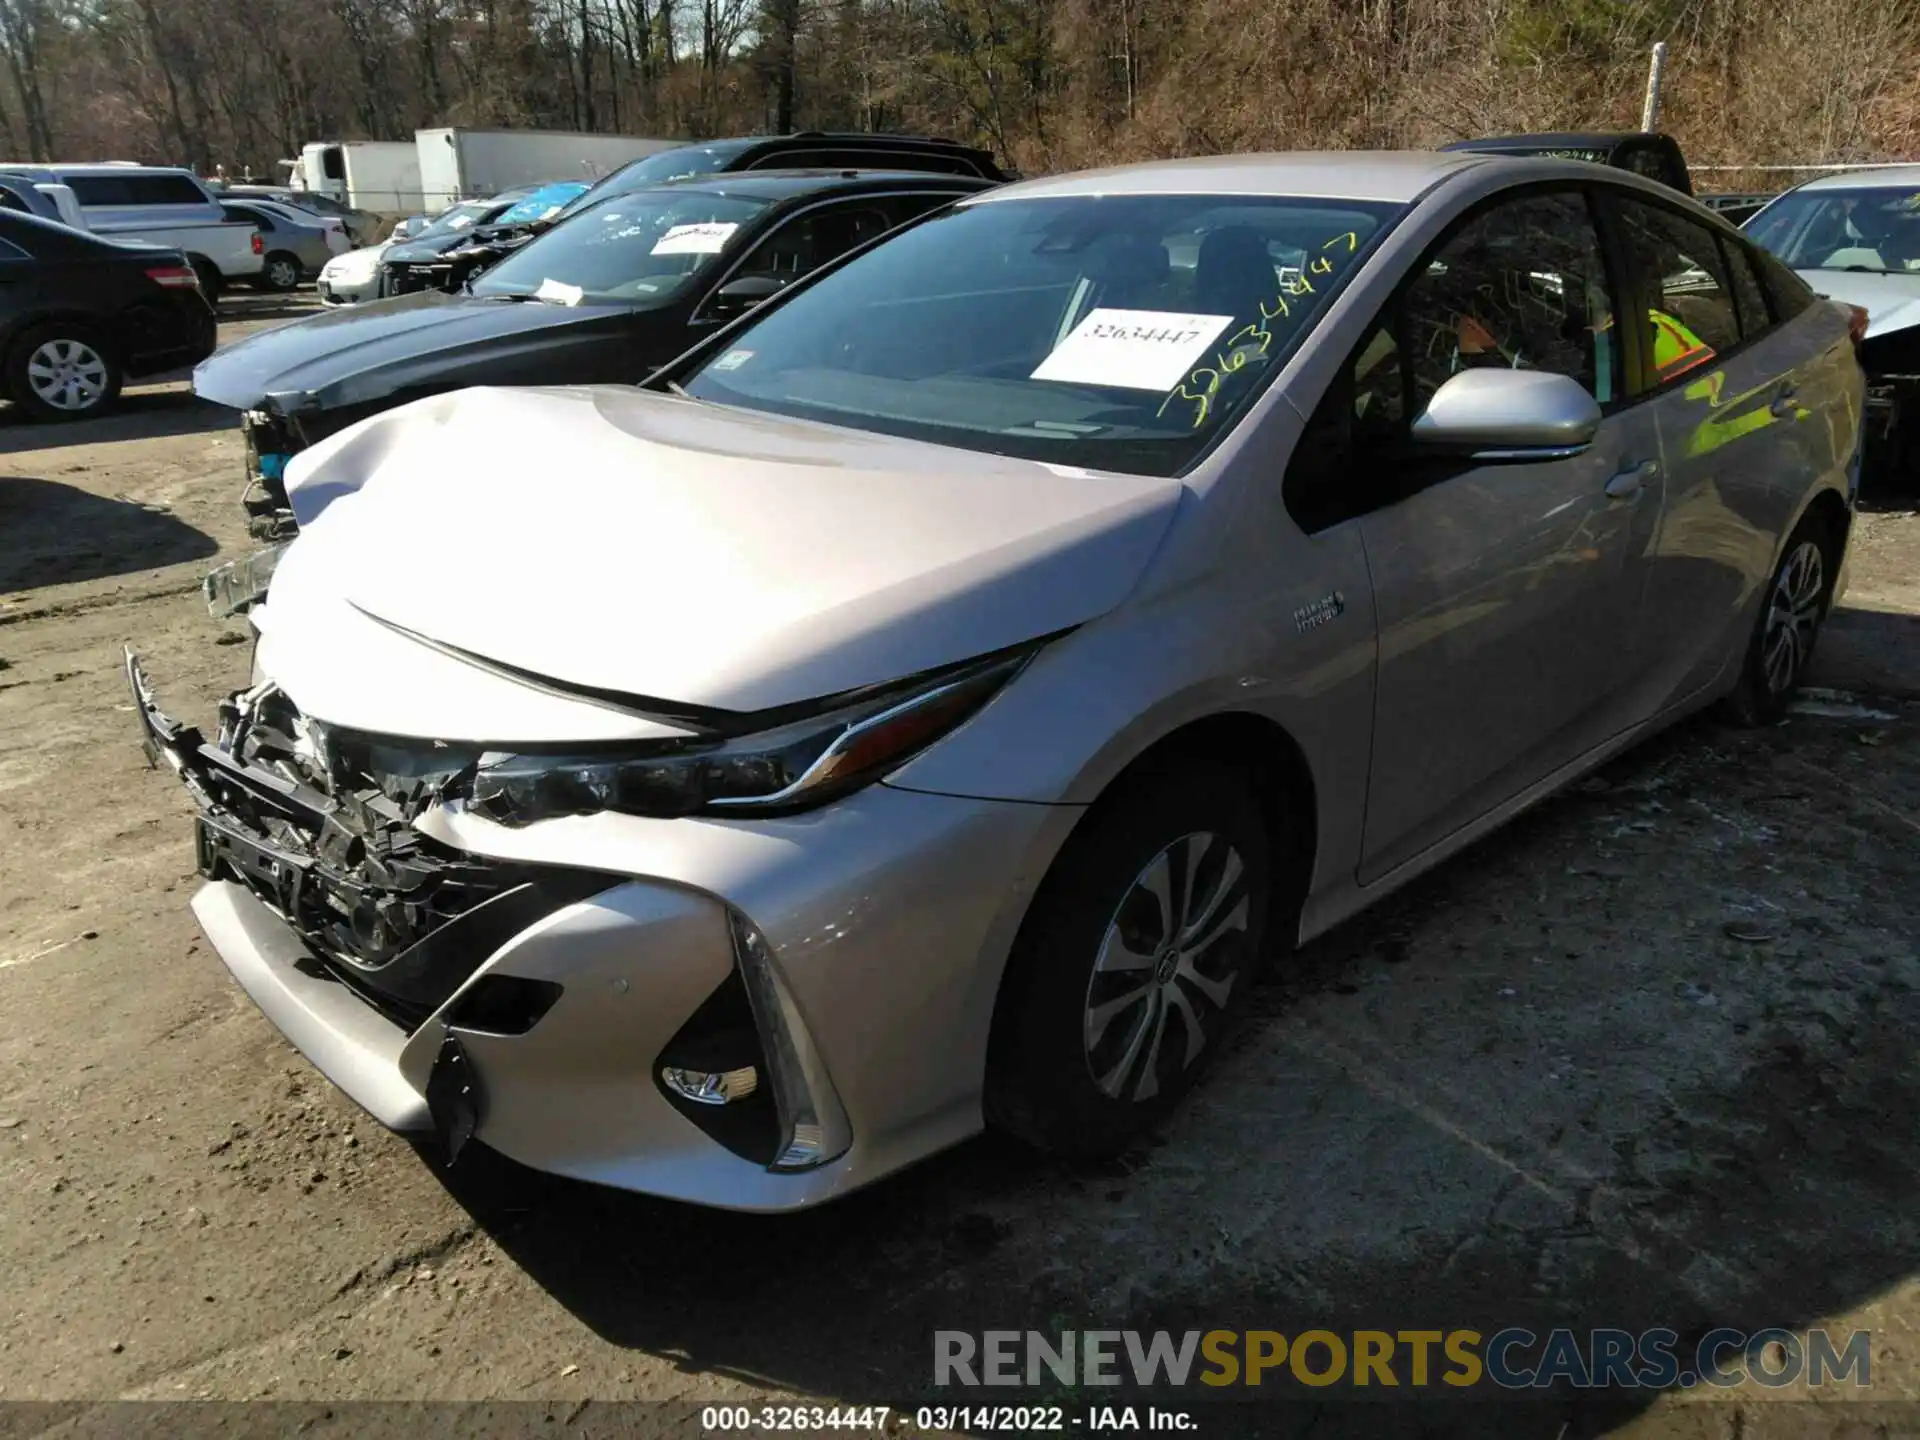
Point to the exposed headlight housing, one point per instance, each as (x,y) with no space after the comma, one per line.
(790,767)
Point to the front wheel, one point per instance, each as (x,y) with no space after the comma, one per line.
(1790,617)
(1132,964)
(63,371)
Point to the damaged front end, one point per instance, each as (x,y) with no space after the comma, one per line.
(317,824)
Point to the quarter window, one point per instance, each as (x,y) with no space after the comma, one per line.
(1750,299)
(1681,290)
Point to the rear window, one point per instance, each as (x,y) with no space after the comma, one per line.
(135,189)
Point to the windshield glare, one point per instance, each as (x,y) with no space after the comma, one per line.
(1116,332)
(1873,228)
(642,247)
(463,216)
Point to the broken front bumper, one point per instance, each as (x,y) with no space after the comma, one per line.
(854,950)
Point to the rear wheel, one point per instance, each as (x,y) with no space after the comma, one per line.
(280,273)
(1133,963)
(210,277)
(63,371)
(1790,617)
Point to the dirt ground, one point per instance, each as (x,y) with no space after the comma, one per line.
(1645,1058)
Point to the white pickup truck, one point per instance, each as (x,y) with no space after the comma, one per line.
(162,206)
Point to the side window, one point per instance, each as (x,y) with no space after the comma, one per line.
(1521,285)
(791,160)
(809,240)
(257,218)
(332,164)
(163,190)
(1683,298)
(11,201)
(99,189)
(1749,298)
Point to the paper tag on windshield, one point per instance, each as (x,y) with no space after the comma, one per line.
(558,292)
(706,238)
(1132,349)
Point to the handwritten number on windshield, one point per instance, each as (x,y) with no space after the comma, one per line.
(1254,341)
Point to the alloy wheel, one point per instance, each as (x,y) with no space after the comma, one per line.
(1176,944)
(282,274)
(67,375)
(1793,616)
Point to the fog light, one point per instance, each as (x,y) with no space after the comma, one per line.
(711,1087)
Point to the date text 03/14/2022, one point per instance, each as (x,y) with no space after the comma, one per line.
(879,1419)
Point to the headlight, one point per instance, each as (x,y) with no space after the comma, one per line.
(776,771)
(350,269)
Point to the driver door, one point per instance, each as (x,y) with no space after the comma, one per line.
(1508,593)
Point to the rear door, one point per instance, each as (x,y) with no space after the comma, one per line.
(1507,593)
(1743,402)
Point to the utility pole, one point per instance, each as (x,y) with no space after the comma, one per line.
(1656,72)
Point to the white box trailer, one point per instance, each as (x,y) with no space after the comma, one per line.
(382,176)
(459,164)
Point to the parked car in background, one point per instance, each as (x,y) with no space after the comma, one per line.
(483,244)
(618,289)
(1735,209)
(298,242)
(1855,237)
(356,277)
(47,200)
(160,205)
(811,149)
(925,705)
(362,226)
(79,315)
(415,263)
(1645,153)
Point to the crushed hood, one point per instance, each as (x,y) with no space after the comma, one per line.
(620,540)
(1892,302)
(368,352)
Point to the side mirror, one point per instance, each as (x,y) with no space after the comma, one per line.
(1499,414)
(736,297)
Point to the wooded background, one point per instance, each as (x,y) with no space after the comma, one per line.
(1051,84)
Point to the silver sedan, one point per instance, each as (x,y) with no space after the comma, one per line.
(929,703)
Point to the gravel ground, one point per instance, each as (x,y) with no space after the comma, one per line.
(1646,1057)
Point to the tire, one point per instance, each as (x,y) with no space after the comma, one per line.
(1791,613)
(211,280)
(63,370)
(279,273)
(1074,1067)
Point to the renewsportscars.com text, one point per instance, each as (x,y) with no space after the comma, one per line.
(1510,1359)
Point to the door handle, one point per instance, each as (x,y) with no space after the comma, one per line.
(1628,483)
(1785,403)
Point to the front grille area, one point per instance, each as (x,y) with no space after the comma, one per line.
(318,824)
(410,279)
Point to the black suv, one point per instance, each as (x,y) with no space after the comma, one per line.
(1644,152)
(808,150)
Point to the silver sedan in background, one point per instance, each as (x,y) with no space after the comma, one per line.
(931,700)
(298,243)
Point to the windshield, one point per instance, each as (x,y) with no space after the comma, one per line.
(1873,228)
(677,164)
(463,216)
(1117,332)
(646,246)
